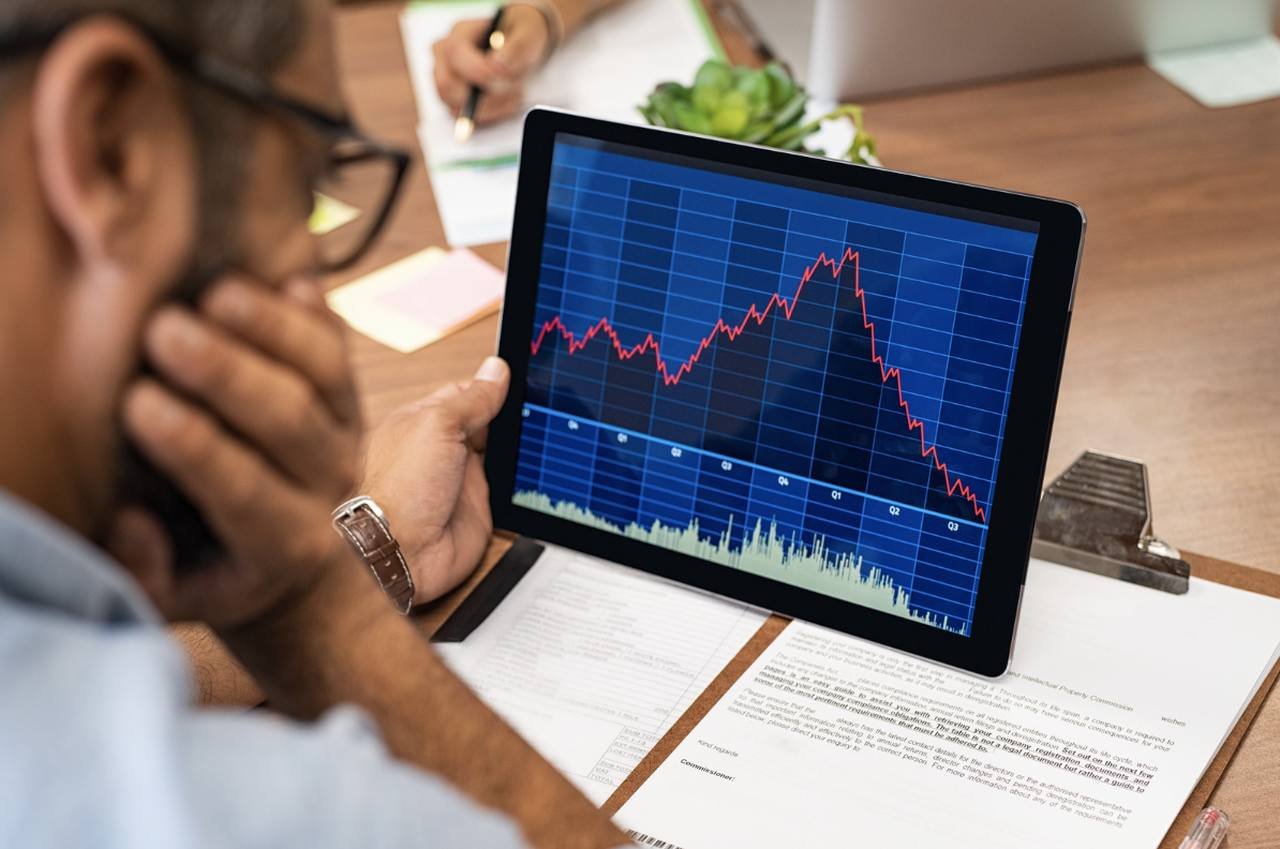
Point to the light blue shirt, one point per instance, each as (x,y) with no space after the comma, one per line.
(101,747)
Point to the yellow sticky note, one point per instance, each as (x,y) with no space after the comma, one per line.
(329,214)
(420,299)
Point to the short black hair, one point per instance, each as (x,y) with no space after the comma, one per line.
(256,35)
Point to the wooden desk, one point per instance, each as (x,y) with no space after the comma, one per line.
(1175,348)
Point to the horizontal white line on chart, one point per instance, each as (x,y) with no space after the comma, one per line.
(569,477)
(854,492)
(970,476)
(822,396)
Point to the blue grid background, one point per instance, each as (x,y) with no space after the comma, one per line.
(791,422)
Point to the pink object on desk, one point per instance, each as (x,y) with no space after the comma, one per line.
(452,290)
(421,298)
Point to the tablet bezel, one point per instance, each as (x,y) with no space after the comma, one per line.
(1037,372)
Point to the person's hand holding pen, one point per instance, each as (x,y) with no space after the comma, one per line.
(467,57)
(495,56)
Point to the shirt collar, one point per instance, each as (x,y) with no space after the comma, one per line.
(46,564)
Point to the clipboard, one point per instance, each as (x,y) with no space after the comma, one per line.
(1110,496)
(1219,571)
(1126,550)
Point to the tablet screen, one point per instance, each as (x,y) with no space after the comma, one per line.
(802,381)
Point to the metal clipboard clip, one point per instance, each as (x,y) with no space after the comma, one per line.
(1097,517)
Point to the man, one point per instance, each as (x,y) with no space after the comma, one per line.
(146,147)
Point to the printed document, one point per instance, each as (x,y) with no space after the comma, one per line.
(592,662)
(1118,698)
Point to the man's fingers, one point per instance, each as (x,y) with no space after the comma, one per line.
(269,403)
(451,88)
(461,50)
(226,481)
(475,404)
(523,48)
(496,106)
(301,334)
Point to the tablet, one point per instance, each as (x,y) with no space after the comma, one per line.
(819,388)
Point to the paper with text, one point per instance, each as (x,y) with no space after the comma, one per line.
(605,70)
(592,662)
(1118,699)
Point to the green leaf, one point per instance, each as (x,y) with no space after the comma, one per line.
(706,98)
(665,108)
(715,75)
(792,110)
(733,115)
(781,87)
(689,118)
(755,86)
(758,132)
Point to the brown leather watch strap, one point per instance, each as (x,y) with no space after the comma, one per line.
(364,526)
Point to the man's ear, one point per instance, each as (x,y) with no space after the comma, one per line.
(114,149)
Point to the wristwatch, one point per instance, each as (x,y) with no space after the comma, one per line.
(364,525)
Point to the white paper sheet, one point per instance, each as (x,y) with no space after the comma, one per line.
(606,70)
(1230,74)
(1118,699)
(592,662)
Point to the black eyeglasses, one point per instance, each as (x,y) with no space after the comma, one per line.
(362,181)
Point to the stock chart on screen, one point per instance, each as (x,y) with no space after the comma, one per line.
(802,384)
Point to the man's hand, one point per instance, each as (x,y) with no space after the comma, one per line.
(265,447)
(255,418)
(425,468)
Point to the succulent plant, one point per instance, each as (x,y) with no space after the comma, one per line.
(759,105)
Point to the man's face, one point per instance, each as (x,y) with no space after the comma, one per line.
(266,237)
(121,190)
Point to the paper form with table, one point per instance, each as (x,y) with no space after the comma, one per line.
(605,70)
(592,662)
(1117,700)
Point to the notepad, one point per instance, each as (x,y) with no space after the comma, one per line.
(420,299)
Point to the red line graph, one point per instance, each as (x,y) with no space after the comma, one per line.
(733,331)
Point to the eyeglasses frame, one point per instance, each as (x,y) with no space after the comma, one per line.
(257,93)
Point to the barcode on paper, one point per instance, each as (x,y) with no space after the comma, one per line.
(646,840)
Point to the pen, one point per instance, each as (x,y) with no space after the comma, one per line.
(493,40)
(1209,831)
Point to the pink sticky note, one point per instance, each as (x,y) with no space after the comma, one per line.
(453,291)
(421,298)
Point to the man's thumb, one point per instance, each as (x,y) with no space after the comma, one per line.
(483,398)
